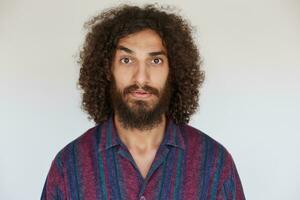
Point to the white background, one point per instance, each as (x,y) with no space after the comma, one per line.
(249,102)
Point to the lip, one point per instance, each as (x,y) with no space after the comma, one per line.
(140,94)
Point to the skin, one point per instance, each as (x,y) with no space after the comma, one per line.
(141,59)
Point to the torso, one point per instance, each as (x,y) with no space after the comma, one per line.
(143,160)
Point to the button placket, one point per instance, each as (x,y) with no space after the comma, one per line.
(143,198)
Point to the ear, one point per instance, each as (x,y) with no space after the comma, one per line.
(109,72)
(108,69)
(108,76)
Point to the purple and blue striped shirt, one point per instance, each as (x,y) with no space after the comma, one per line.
(188,165)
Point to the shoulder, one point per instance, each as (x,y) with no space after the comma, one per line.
(199,142)
(216,162)
(85,142)
(195,137)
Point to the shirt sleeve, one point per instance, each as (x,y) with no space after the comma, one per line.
(54,187)
(232,187)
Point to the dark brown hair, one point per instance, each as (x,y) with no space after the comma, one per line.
(104,32)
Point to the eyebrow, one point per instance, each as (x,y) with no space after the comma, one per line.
(122,48)
(127,50)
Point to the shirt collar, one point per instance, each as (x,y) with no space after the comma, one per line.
(110,138)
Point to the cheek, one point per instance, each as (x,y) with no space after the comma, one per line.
(160,77)
(121,80)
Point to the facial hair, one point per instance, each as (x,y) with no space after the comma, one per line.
(140,115)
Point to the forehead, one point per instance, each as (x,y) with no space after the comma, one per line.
(143,40)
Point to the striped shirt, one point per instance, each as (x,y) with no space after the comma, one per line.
(188,165)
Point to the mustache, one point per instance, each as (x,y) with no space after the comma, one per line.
(135,87)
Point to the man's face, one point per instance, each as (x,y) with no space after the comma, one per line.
(140,90)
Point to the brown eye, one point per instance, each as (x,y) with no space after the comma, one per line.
(125,60)
(157,61)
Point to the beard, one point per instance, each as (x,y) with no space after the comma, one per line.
(141,115)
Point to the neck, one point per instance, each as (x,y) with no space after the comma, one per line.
(140,139)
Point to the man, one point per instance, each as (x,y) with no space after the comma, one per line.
(140,77)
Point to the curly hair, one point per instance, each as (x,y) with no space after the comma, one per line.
(103,33)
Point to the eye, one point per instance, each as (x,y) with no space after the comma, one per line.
(156,61)
(126,60)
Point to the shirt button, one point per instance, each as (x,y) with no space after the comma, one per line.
(143,198)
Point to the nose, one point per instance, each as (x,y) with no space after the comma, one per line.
(141,76)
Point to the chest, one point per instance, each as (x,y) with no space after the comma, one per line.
(143,160)
(168,173)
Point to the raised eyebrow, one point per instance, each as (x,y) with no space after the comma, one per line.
(157,53)
(127,50)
